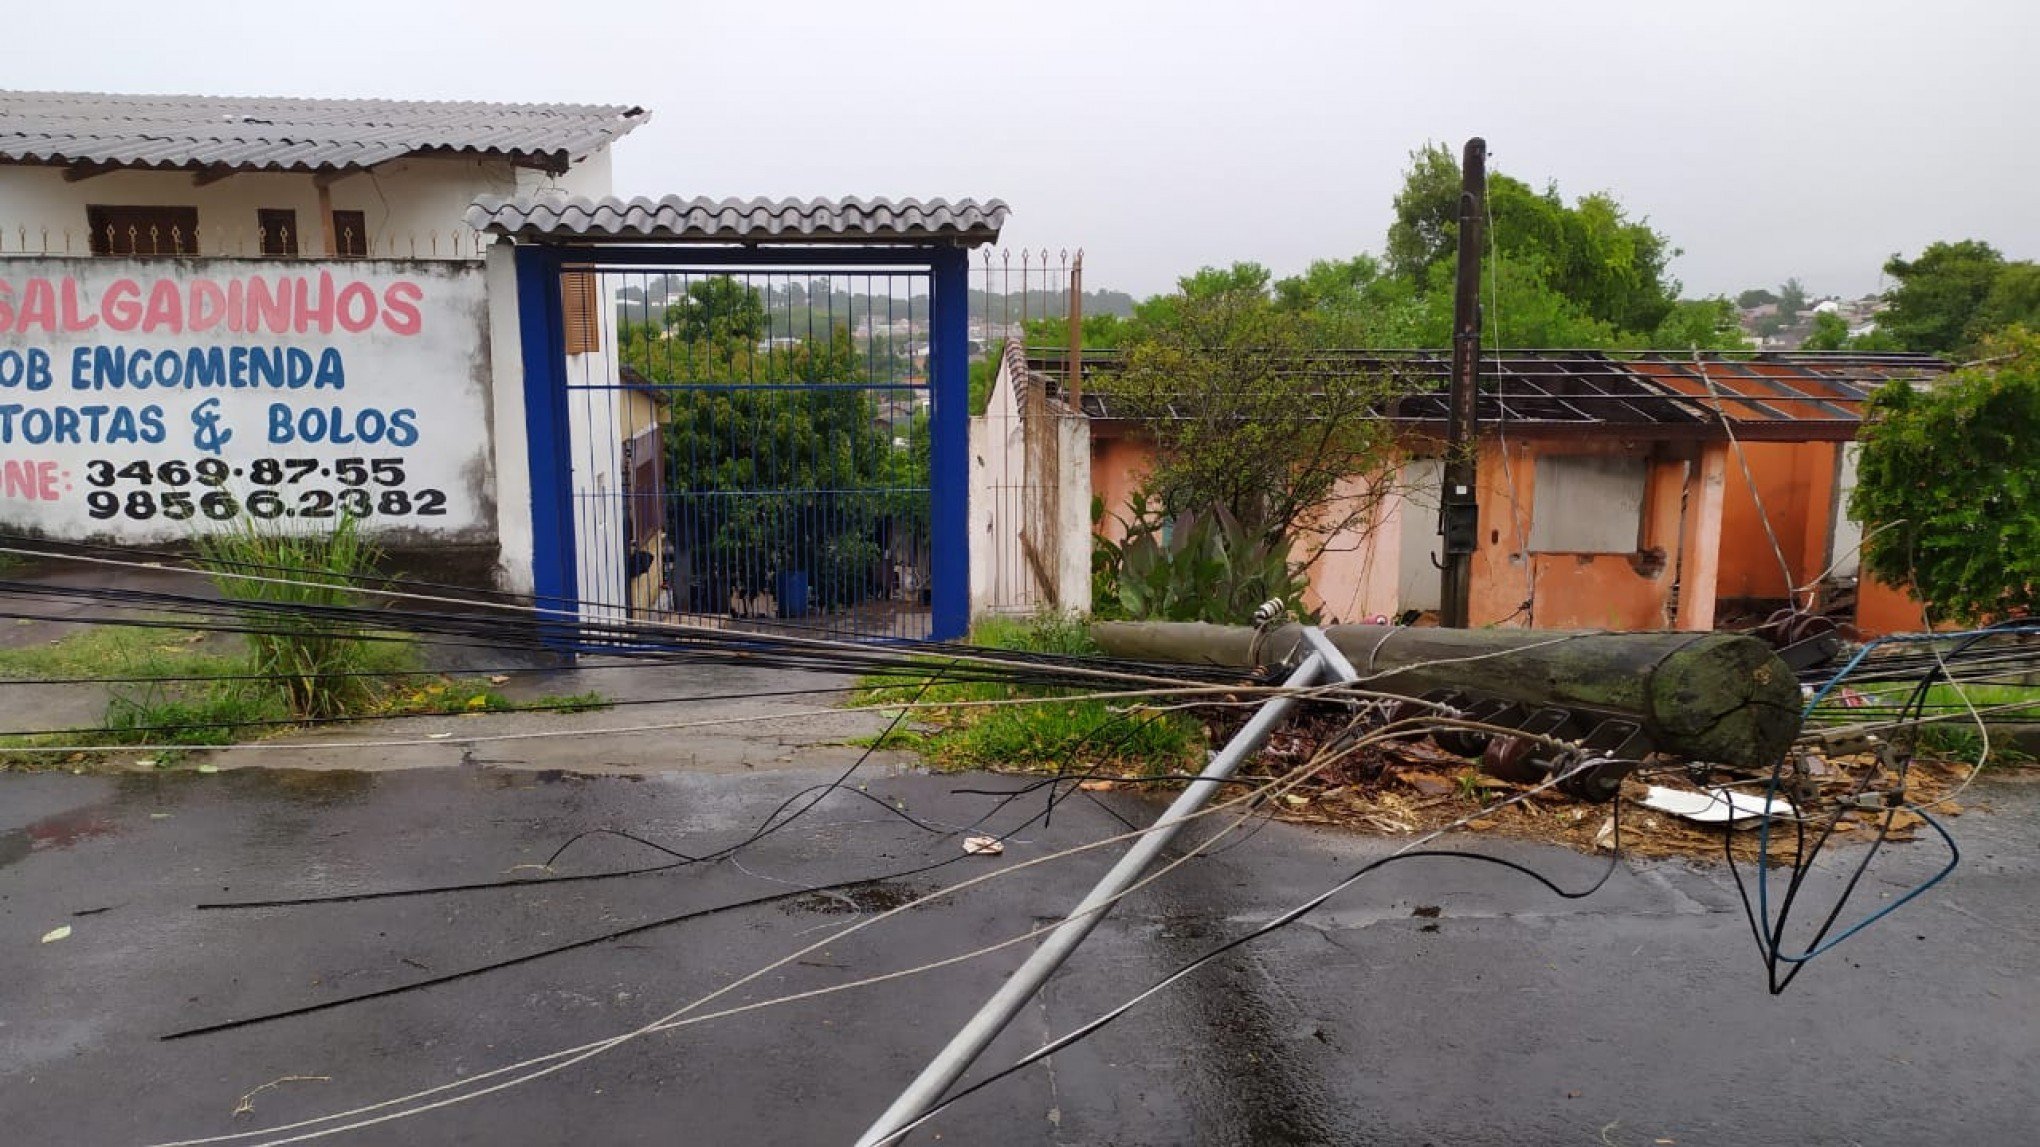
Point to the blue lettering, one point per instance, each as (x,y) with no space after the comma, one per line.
(331,375)
(265,363)
(108,361)
(280,427)
(38,369)
(141,372)
(152,424)
(36,425)
(298,368)
(64,426)
(95,413)
(237,371)
(403,432)
(81,366)
(7,414)
(123,428)
(13,368)
(205,366)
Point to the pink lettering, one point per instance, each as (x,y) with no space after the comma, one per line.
(122,304)
(74,318)
(166,308)
(35,481)
(38,306)
(400,307)
(356,308)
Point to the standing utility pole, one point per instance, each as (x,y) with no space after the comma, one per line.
(1458,504)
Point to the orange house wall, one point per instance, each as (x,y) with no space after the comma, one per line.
(1566,591)
(1797,481)
(1118,467)
(1882,609)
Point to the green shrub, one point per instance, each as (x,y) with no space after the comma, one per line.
(1203,567)
(309,657)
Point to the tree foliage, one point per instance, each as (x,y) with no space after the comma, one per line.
(1829,332)
(764,472)
(1613,268)
(1949,485)
(1939,295)
(1214,377)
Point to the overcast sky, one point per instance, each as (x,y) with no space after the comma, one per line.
(1767,139)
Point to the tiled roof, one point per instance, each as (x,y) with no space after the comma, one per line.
(783,221)
(1776,396)
(233,133)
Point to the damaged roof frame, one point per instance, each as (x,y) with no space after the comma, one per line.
(1799,396)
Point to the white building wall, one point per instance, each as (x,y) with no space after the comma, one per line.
(411,206)
(414,207)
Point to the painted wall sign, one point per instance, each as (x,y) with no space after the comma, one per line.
(143,400)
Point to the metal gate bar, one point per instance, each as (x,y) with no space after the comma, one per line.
(749,439)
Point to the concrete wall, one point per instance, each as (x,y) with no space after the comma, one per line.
(155,412)
(1030,497)
(413,207)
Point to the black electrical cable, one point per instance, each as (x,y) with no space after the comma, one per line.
(575,945)
(1279,922)
(1770,934)
(766,827)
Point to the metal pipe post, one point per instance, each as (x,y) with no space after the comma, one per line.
(952,1061)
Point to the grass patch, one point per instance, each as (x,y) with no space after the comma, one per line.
(224,702)
(1073,734)
(239,687)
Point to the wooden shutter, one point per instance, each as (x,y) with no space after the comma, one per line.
(122,230)
(579,308)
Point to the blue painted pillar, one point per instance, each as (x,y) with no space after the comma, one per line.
(553,565)
(949,444)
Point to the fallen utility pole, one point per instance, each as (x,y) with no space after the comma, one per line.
(1459,501)
(1718,697)
(1320,660)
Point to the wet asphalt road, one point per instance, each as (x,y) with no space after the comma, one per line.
(1636,1017)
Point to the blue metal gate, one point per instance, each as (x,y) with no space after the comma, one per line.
(754,439)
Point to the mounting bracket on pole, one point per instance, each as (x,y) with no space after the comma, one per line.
(1324,661)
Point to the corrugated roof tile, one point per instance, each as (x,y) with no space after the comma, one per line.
(288,134)
(965,221)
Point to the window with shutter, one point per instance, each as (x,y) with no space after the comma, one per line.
(580,313)
(127,230)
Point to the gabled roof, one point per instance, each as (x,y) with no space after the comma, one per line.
(761,221)
(94,132)
(1795,396)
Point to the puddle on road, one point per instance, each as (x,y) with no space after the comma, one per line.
(882,896)
(63,830)
(311,786)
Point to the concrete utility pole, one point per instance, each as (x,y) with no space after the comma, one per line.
(1458,503)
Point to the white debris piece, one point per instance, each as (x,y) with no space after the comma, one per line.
(1718,806)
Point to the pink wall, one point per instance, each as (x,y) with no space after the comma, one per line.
(1354,578)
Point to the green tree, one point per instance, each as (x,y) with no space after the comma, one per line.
(2014,300)
(1949,483)
(717,309)
(1830,332)
(1706,324)
(1590,251)
(1791,301)
(1214,378)
(1939,295)
(1755,297)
